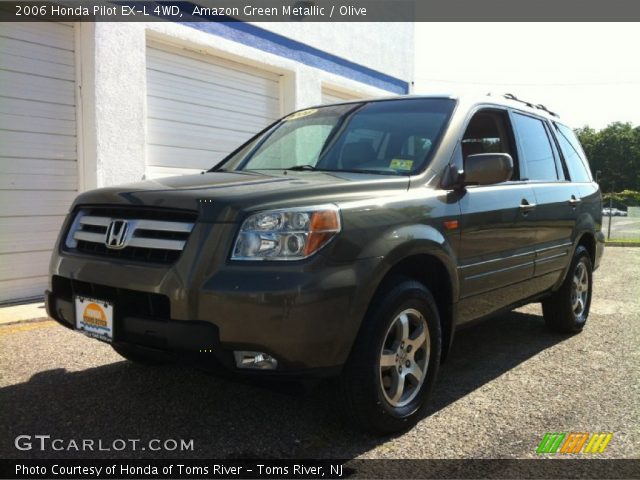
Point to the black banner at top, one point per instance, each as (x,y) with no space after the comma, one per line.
(319,10)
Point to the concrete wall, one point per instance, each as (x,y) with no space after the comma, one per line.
(112,78)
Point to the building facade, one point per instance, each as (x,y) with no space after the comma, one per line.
(89,105)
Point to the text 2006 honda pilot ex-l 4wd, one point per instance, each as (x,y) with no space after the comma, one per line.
(347,240)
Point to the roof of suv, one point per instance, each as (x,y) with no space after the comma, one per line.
(507,100)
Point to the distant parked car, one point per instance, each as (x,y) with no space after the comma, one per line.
(614,212)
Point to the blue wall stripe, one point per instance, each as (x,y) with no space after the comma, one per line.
(270,42)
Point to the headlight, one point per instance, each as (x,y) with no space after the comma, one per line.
(287,234)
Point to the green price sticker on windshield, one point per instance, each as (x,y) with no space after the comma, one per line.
(401,164)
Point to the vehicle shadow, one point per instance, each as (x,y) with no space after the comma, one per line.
(229,418)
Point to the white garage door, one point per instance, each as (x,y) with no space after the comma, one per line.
(201,107)
(38,167)
(333,96)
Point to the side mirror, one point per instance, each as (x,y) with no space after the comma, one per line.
(487,168)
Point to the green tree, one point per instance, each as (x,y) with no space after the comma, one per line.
(615,152)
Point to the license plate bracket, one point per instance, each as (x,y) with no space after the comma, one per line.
(94,318)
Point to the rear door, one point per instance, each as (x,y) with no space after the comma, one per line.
(558,200)
(498,228)
(590,199)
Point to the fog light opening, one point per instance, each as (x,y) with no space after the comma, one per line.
(255,360)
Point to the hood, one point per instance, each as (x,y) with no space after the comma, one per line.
(221,196)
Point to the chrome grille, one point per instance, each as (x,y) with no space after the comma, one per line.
(135,234)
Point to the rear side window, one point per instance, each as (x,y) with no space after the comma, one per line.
(573,154)
(536,148)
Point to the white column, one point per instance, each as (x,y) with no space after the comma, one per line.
(301,88)
(113,96)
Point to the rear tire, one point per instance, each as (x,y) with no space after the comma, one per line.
(395,359)
(566,310)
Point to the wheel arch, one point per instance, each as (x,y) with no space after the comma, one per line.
(588,241)
(428,258)
(432,272)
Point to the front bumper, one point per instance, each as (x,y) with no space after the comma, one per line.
(305,314)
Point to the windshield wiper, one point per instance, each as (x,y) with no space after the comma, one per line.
(373,172)
(300,168)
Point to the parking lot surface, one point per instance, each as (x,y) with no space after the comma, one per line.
(507,382)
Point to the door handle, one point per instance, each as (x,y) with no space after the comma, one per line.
(573,201)
(526,207)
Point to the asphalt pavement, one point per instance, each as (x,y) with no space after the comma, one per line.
(507,382)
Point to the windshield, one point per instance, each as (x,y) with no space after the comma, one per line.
(387,137)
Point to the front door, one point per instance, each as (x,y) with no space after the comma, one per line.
(498,225)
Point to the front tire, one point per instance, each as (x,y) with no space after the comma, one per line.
(566,310)
(395,360)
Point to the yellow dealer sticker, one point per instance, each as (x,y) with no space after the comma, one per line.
(301,114)
(401,164)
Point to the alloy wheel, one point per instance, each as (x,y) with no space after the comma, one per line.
(404,357)
(579,290)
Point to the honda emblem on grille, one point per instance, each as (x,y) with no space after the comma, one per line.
(116,236)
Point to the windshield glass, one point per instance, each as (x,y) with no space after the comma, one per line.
(386,137)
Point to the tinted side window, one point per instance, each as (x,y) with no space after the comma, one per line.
(573,154)
(536,149)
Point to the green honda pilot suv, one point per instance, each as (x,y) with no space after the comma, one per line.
(347,240)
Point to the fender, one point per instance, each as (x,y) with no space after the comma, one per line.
(585,225)
(399,243)
(393,246)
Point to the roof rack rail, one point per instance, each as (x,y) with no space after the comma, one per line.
(539,106)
